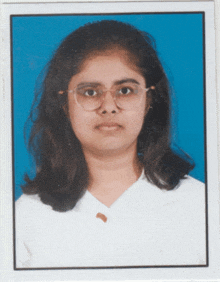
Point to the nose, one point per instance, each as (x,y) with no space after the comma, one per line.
(108,104)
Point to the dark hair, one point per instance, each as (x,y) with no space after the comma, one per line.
(62,173)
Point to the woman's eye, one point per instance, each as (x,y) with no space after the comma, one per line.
(90,92)
(125,91)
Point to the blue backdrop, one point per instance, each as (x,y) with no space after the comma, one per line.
(179,38)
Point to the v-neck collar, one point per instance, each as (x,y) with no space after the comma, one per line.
(98,203)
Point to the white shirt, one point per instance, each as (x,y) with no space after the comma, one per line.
(145,226)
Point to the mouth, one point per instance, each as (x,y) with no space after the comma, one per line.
(108,126)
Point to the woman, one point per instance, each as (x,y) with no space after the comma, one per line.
(104,191)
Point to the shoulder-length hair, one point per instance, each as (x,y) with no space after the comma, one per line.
(62,173)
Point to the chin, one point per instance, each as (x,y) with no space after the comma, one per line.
(110,148)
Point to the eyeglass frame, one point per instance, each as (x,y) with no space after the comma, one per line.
(104,91)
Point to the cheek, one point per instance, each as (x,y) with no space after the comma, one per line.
(80,123)
(78,118)
(136,123)
(136,120)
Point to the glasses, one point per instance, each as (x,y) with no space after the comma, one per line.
(126,96)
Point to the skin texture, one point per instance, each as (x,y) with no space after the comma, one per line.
(108,135)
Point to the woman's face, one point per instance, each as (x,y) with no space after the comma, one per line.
(108,129)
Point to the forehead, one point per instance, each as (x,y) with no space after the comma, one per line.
(108,67)
(115,53)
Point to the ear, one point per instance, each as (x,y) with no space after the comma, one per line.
(148,105)
(65,106)
(65,109)
(149,99)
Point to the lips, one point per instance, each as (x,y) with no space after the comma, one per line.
(108,126)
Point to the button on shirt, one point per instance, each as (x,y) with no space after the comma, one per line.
(145,226)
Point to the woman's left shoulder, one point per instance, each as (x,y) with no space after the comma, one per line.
(189,192)
(189,180)
(190,185)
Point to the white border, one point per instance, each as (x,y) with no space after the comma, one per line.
(211,273)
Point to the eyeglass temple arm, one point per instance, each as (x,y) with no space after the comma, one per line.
(151,87)
(62,92)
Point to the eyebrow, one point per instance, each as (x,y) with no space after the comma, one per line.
(84,84)
(117,82)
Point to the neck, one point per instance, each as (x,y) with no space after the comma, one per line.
(111,174)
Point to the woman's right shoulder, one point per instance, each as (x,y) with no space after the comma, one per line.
(25,200)
(30,204)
